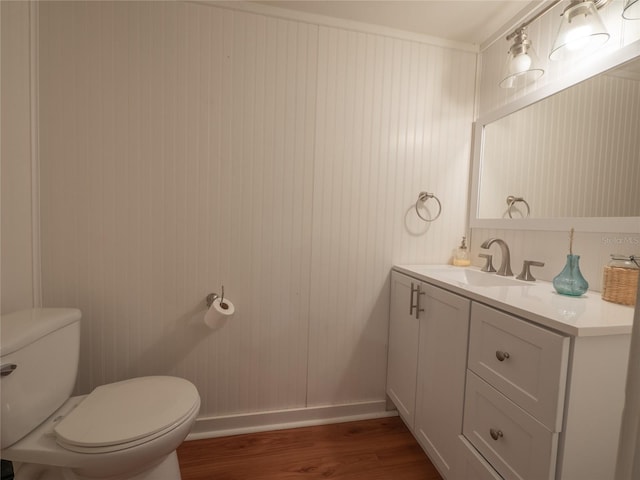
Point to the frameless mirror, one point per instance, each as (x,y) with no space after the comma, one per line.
(571,155)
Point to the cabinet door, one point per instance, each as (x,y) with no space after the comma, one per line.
(403,347)
(442,363)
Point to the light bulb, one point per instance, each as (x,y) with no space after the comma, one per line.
(520,63)
(581,32)
(578,38)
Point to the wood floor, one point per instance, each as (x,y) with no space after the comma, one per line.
(380,449)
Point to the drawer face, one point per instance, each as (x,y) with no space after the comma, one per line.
(470,464)
(514,443)
(525,362)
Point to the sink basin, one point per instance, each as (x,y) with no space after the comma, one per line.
(478,279)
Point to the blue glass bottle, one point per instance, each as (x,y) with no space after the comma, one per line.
(570,280)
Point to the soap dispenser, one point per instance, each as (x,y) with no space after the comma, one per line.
(461,256)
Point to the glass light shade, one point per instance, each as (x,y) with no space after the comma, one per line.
(631,10)
(581,32)
(522,65)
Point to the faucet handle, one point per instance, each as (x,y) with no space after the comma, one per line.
(488,266)
(525,274)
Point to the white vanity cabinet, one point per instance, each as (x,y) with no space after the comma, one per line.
(512,380)
(428,336)
(541,405)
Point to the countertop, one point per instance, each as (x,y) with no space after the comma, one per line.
(587,315)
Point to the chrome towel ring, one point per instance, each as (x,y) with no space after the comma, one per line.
(512,200)
(423,197)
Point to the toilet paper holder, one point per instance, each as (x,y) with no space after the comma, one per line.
(219,310)
(212,297)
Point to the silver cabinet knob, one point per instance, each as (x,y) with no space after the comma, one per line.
(501,356)
(495,434)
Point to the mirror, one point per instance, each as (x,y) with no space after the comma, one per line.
(573,154)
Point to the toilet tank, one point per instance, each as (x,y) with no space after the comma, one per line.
(39,352)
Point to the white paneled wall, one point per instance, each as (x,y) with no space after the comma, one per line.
(388,119)
(184,146)
(177,156)
(17,287)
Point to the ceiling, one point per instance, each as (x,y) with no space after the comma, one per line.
(469,21)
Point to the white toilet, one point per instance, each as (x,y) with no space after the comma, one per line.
(126,430)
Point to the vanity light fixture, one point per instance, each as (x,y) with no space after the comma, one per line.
(522,65)
(631,10)
(581,30)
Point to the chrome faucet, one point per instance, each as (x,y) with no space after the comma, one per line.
(505,260)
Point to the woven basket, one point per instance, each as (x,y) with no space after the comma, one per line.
(620,285)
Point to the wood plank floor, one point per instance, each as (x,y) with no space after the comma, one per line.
(380,449)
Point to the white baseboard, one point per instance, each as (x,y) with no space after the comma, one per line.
(211,427)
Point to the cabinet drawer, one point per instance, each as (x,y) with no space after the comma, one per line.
(525,362)
(471,465)
(515,443)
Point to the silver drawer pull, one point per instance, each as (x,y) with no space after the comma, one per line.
(7,369)
(502,355)
(495,434)
(411,305)
(418,291)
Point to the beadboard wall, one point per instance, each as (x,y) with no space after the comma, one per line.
(185,146)
(17,230)
(552,247)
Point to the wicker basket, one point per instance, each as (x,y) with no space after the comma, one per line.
(620,285)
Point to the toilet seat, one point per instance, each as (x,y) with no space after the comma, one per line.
(125,414)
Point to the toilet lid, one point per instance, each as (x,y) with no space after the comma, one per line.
(126,411)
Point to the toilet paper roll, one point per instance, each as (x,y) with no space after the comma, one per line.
(219,310)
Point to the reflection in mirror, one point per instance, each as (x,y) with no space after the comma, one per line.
(573,154)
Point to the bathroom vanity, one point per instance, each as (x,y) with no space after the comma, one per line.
(501,378)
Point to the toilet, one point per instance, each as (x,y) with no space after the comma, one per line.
(127,430)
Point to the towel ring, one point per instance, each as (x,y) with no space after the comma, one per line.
(511,201)
(423,197)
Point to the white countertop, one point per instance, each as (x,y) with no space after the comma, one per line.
(587,315)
